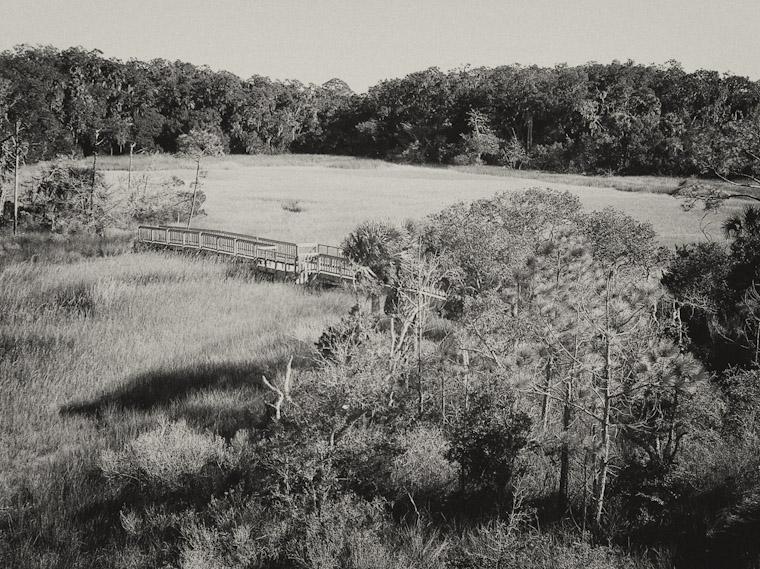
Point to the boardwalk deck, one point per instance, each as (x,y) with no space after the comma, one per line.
(305,262)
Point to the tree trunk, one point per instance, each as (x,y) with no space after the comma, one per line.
(567,416)
(545,404)
(195,189)
(92,186)
(129,172)
(15,183)
(420,324)
(564,468)
(529,141)
(605,422)
(466,363)
(2,201)
(420,389)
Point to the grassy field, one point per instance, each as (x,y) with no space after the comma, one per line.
(307,198)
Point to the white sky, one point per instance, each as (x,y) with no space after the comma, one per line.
(365,41)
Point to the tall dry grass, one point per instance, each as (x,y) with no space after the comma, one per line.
(96,351)
(647,184)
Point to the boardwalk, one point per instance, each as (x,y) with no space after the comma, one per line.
(304,262)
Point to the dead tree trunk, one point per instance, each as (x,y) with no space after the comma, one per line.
(283,394)
(604,461)
(195,189)
(15,183)
(545,404)
(129,172)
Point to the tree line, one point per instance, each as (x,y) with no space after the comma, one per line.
(621,118)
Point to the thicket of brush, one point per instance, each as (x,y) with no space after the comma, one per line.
(159,411)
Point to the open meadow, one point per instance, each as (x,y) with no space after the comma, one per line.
(97,350)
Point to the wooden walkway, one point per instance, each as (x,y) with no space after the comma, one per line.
(304,262)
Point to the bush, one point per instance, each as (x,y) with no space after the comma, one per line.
(494,545)
(486,439)
(168,203)
(422,468)
(169,456)
(347,533)
(340,342)
(741,389)
(293,206)
(550,157)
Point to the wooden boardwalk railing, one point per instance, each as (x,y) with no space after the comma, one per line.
(306,262)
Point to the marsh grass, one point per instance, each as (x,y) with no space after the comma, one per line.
(245,194)
(648,184)
(96,352)
(52,248)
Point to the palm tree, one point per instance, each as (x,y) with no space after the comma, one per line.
(744,225)
(376,245)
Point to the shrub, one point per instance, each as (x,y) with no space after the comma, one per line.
(168,456)
(486,439)
(168,203)
(293,206)
(207,548)
(345,533)
(68,198)
(341,341)
(422,468)
(494,545)
(742,392)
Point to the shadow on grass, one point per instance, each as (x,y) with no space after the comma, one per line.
(220,397)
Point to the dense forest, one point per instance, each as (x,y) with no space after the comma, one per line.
(595,118)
